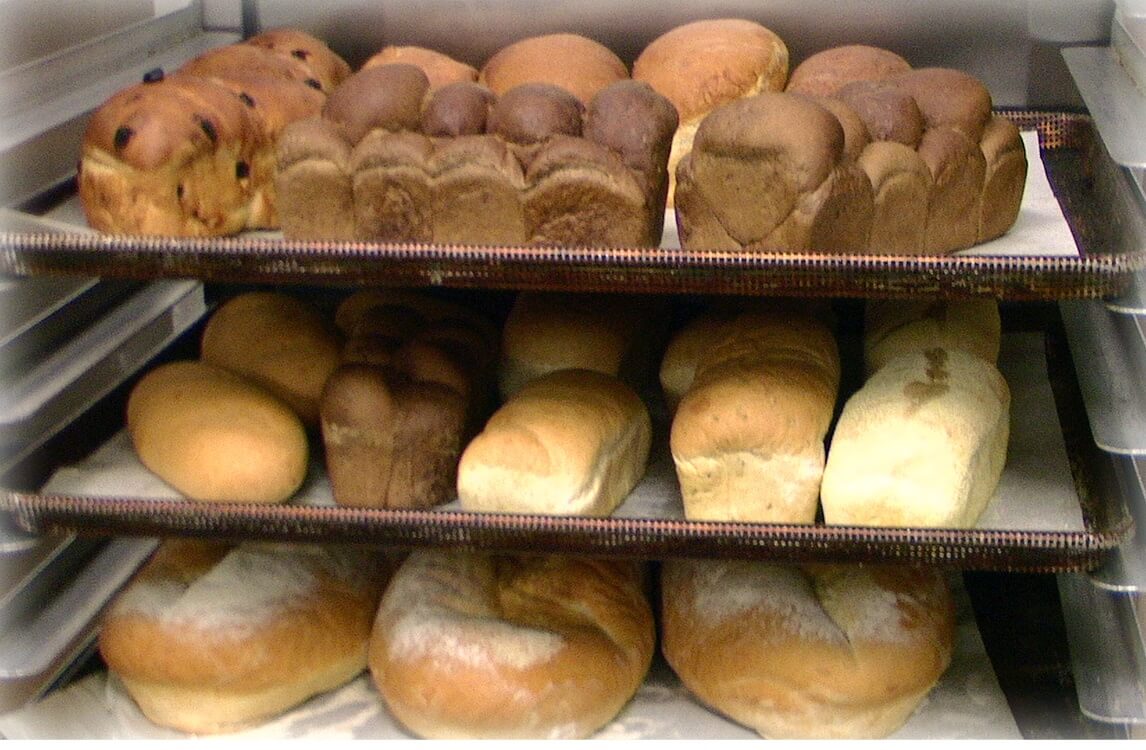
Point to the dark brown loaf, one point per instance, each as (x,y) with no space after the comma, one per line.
(815,652)
(211,638)
(475,646)
(457,109)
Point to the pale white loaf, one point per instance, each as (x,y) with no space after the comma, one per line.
(573,442)
(815,652)
(477,646)
(748,436)
(894,326)
(922,443)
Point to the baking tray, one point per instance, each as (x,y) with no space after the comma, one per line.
(1089,187)
(1103,521)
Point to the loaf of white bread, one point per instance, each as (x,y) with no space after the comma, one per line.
(572,442)
(390,157)
(830,651)
(414,382)
(210,638)
(861,153)
(469,645)
(747,438)
(703,64)
(192,152)
(922,443)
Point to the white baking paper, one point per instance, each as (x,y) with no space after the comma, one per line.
(1040,228)
(967,703)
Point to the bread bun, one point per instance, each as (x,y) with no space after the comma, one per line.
(827,71)
(572,442)
(819,652)
(207,638)
(216,436)
(468,645)
(922,443)
(576,63)
(440,68)
(281,342)
(700,65)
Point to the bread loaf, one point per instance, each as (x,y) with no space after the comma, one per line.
(923,166)
(580,65)
(216,436)
(815,652)
(280,341)
(702,64)
(440,68)
(475,646)
(193,153)
(549,331)
(413,385)
(573,442)
(747,438)
(895,327)
(210,638)
(460,164)
(922,443)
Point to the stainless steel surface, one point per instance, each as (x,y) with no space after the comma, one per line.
(53,620)
(1110,361)
(1106,650)
(1125,568)
(1113,99)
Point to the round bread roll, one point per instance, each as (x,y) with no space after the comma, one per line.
(468,645)
(440,68)
(700,65)
(216,436)
(281,342)
(208,638)
(816,652)
(576,63)
(827,71)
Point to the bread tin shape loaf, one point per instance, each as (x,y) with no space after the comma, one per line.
(922,443)
(860,154)
(468,645)
(747,438)
(216,436)
(824,651)
(393,159)
(192,153)
(571,442)
(210,638)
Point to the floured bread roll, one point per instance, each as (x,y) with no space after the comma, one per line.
(703,64)
(922,443)
(895,326)
(572,442)
(209,638)
(815,652)
(748,435)
(475,646)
